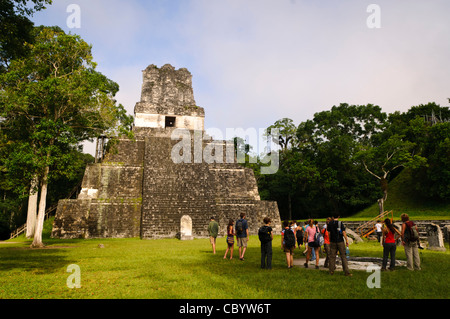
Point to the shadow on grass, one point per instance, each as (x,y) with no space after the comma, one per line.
(23,258)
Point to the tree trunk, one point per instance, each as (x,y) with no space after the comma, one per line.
(37,241)
(384,188)
(381,205)
(290,206)
(32,208)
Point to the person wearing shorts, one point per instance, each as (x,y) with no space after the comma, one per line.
(310,236)
(242,236)
(213,229)
(289,251)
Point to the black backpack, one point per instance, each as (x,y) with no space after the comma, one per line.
(289,238)
(411,234)
(239,226)
(299,233)
(264,234)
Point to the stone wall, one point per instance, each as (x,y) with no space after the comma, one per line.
(197,190)
(109,205)
(138,191)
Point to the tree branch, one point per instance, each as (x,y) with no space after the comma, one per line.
(367,169)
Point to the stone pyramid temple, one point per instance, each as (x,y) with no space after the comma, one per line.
(138,190)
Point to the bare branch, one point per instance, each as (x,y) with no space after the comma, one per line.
(367,169)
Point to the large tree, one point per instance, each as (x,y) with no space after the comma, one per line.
(382,159)
(330,140)
(286,129)
(52,100)
(16,29)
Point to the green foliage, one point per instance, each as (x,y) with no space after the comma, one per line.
(16,29)
(330,166)
(286,130)
(51,100)
(434,179)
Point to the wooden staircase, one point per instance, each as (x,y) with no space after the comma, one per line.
(23,228)
(368,228)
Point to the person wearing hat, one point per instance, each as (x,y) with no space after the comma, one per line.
(213,229)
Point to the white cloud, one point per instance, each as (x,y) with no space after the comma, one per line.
(266,60)
(256,61)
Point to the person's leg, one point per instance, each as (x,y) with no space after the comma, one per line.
(341,248)
(213,242)
(317,257)
(288,259)
(327,252)
(263,255)
(392,252)
(269,256)
(385,256)
(416,256)
(244,248)
(409,256)
(332,261)
(308,256)
(226,251)
(239,243)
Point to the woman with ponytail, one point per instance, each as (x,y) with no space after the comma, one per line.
(389,244)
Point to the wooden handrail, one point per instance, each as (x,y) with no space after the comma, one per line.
(369,227)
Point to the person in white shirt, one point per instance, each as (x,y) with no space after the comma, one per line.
(379,230)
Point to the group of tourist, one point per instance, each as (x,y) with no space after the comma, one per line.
(332,237)
(240,231)
(389,236)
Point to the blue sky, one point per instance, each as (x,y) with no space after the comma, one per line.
(256,61)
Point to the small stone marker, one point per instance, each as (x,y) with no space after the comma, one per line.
(186,228)
(435,238)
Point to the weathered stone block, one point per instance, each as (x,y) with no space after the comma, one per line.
(435,237)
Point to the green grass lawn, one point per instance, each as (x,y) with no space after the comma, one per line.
(174,269)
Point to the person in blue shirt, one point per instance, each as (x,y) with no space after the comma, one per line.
(242,235)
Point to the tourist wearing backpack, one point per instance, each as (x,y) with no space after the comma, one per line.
(310,235)
(265,237)
(336,230)
(288,243)
(410,240)
(242,235)
(326,242)
(299,235)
